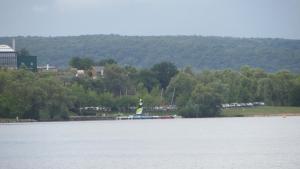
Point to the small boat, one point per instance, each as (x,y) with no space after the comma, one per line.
(140,116)
(139,109)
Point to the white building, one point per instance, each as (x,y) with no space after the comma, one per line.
(47,68)
(8,57)
(97,71)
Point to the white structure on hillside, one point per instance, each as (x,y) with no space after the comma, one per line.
(97,71)
(8,57)
(47,68)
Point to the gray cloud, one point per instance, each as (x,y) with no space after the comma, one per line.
(240,18)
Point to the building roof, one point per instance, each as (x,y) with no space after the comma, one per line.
(5,48)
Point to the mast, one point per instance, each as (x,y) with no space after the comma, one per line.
(173,96)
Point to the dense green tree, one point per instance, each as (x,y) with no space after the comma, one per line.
(204,103)
(81,63)
(295,93)
(182,84)
(115,80)
(265,90)
(141,90)
(106,99)
(125,102)
(151,101)
(190,110)
(148,78)
(104,62)
(27,96)
(164,71)
(208,101)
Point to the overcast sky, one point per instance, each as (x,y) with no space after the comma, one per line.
(237,18)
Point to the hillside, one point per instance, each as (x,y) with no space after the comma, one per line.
(144,51)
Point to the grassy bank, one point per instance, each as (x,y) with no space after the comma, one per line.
(261,111)
(7,120)
(231,112)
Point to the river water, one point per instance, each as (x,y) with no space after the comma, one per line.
(209,143)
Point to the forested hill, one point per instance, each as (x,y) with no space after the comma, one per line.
(144,51)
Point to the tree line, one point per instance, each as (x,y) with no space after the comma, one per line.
(56,96)
(144,51)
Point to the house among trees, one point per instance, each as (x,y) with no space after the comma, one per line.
(94,72)
(97,71)
(79,73)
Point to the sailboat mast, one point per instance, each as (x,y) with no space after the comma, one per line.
(173,96)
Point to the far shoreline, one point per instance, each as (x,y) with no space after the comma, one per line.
(283,115)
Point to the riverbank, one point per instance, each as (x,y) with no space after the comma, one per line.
(230,112)
(6,120)
(261,111)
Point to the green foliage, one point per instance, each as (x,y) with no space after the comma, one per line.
(106,99)
(124,103)
(261,111)
(104,62)
(190,110)
(81,63)
(54,96)
(148,78)
(28,96)
(295,92)
(144,51)
(208,102)
(203,103)
(141,90)
(163,72)
(115,80)
(183,84)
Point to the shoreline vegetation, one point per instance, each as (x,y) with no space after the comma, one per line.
(262,111)
(106,89)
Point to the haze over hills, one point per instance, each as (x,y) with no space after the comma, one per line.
(143,51)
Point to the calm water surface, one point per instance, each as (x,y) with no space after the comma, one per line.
(230,143)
